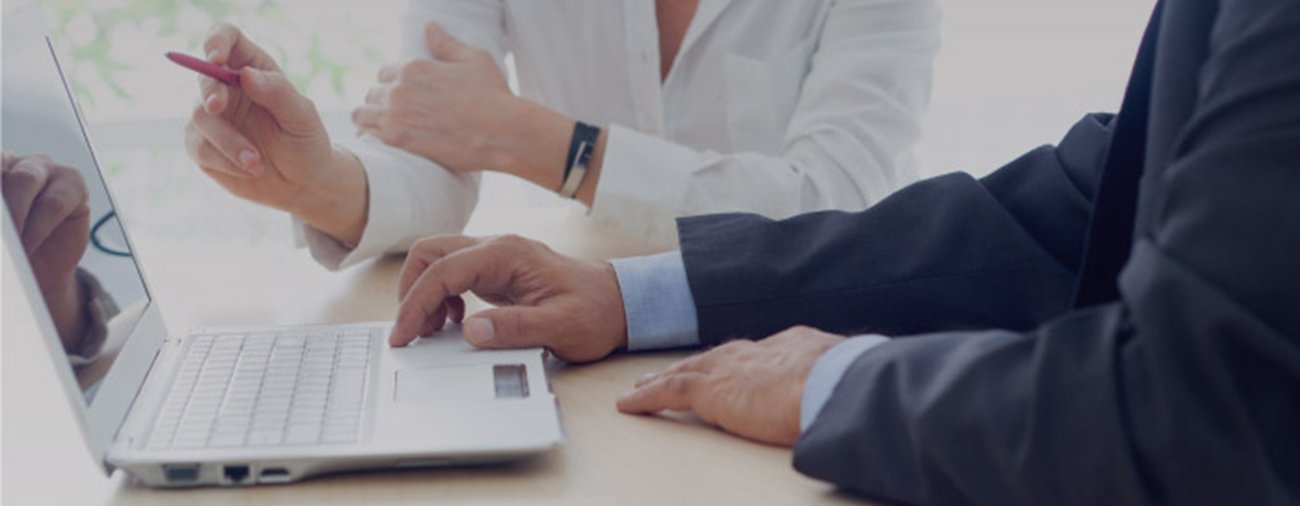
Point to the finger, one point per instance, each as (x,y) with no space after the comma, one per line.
(674,392)
(229,142)
(22,183)
(456,308)
(62,198)
(442,46)
(646,378)
(367,117)
(227,45)
(454,274)
(424,253)
(453,308)
(208,158)
(514,327)
(271,90)
(376,96)
(701,363)
(214,94)
(389,73)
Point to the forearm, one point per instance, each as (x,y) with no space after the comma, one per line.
(338,200)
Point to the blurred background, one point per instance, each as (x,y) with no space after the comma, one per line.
(1012,74)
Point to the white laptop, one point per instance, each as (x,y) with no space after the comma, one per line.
(250,405)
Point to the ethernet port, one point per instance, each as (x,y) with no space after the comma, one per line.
(236,474)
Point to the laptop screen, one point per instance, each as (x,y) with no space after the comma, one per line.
(62,211)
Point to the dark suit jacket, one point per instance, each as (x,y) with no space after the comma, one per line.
(1143,279)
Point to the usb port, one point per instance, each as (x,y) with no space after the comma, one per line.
(273,475)
(181,473)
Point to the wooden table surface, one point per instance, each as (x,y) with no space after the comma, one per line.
(211,260)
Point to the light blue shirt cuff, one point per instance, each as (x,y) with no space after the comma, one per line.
(657,301)
(828,371)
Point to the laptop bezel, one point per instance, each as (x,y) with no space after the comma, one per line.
(100,419)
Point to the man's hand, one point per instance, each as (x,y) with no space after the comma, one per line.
(572,307)
(452,109)
(50,209)
(264,141)
(751,389)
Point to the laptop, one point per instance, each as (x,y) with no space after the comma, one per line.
(245,405)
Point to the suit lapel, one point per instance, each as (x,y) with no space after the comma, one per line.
(1110,234)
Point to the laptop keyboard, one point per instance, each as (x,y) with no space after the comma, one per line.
(267,389)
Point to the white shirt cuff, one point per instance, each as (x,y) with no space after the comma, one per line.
(644,185)
(828,371)
(408,197)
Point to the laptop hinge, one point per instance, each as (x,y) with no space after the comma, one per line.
(148,398)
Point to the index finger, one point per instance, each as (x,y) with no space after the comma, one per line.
(674,392)
(227,45)
(452,275)
(423,254)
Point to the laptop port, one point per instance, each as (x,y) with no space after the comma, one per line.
(273,475)
(181,473)
(236,474)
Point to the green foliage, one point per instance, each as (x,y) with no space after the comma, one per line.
(163,16)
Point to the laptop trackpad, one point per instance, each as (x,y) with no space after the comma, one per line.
(441,384)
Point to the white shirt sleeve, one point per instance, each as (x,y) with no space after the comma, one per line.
(409,196)
(849,143)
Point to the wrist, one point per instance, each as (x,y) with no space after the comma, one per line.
(67,303)
(336,201)
(533,143)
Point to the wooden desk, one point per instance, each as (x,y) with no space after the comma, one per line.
(214,261)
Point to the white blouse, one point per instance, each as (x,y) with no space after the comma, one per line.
(775,107)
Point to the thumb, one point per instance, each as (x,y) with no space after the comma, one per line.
(510,327)
(273,92)
(443,46)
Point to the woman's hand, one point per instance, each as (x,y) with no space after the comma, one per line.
(454,109)
(264,141)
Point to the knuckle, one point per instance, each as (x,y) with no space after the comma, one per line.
(426,244)
(401,92)
(21,177)
(415,69)
(512,241)
(733,345)
(677,385)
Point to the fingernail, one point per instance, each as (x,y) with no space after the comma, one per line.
(210,103)
(247,157)
(212,55)
(480,331)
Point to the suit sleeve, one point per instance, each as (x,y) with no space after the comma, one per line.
(1184,391)
(946,253)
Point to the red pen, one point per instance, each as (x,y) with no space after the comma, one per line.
(218,72)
